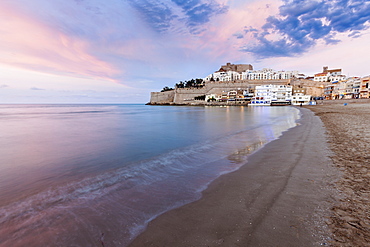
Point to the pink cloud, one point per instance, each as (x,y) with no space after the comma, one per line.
(31,44)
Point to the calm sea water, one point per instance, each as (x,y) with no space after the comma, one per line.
(88,175)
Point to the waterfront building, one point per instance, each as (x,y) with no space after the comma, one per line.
(248,94)
(365,87)
(341,91)
(267,94)
(336,90)
(356,87)
(301,99)
(223,97)
(352,88)
(345,89)
(236,95)
(328,92)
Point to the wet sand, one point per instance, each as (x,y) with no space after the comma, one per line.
(348,127)
(281,197)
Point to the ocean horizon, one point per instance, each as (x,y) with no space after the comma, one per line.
(86,174)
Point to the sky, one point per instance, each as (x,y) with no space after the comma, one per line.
(118,51)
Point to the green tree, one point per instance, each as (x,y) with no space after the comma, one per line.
(166,89)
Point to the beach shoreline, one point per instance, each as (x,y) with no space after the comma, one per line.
(281,197)
(347,124)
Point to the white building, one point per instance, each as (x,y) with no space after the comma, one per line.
(352,88)
(342,86)
(336,78)
(264,74)
(329,75)
(321,77)
(267,94)
(269,74)
(301,99)
(224,76)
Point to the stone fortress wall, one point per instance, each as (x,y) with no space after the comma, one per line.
(162,97)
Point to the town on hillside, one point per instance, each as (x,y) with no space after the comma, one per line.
(240,84)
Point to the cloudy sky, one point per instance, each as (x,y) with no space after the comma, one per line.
(118,51)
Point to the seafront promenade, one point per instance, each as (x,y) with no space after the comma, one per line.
(311,187)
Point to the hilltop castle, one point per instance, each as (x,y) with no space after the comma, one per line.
(235,67)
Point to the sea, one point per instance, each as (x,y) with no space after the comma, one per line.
(95,175)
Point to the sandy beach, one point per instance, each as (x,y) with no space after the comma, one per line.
(283,196)
(347,124)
